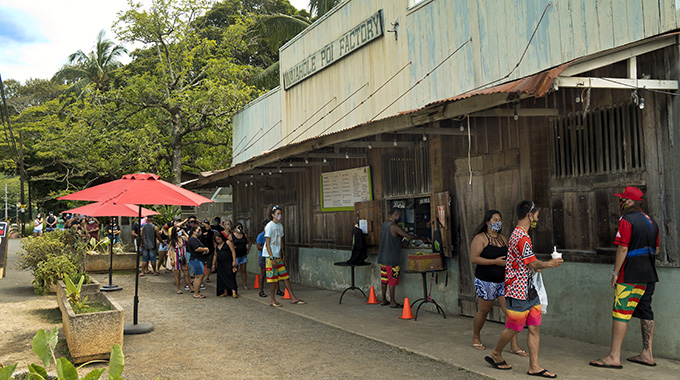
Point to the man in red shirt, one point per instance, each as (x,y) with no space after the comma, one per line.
(521,298)
(634,278)
(92,228)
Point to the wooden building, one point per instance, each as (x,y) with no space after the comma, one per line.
(450,108)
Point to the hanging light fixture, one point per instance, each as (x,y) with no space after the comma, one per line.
(347,155)
(515,115)
(325,160)
(424,137)
(280,171)
(395,140)
(641,102)
(306,160)
(370,146)
(290,163)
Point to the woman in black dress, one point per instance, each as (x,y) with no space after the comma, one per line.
(224,262)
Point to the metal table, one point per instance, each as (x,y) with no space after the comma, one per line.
(426,298)
(352,287)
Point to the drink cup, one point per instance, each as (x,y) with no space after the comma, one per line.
(556,255)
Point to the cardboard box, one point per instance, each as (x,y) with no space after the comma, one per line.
(422,262)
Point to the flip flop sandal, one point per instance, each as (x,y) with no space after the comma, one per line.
(299,302)
(199,296)
(498,365)
(521,353)
(397,306)
(179,292)
(280,293)
(599,363)
(261,294)
(635,359)
(384,303)
(478,346)
(543,373)
(275,304)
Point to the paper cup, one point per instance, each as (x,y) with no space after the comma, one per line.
(556,255)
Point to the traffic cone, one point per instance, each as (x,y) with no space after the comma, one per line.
(372,299)
(257,282)
(286,295)
(407,314)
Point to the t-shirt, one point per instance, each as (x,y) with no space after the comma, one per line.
(640,233)
(261,239)
(518,280)
(274,231)
(92,226)
(51,221)
(113,228)
(208,240)
(192,245)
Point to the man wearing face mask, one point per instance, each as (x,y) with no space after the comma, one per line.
(634,278)
(521,298)
(389,256)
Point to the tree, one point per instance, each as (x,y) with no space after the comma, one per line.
(194,87)
(94,68)
(321,7)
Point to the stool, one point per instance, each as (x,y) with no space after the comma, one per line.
(426,298)
(352,287)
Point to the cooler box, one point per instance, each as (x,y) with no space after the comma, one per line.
(424,262)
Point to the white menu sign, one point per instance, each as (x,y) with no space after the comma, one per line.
(341,189)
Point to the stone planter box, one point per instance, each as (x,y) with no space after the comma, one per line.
(86,290)
(90,336)
(100,263)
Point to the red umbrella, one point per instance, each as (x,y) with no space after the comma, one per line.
(109,208)
(139,188)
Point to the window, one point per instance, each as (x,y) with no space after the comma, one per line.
(407,171)
(415,219)
(605,140)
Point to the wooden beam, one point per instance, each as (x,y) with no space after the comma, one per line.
(336,155)
(616,83)
(374,144)
(606,59)
(434,131)
(523,112)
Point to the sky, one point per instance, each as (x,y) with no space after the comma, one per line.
(37,36)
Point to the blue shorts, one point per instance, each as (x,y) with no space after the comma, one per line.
(489,291)
(197,266)
(163,247)
(148,255)
(241,260)
(261,262)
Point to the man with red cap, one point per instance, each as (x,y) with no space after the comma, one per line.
(634,278)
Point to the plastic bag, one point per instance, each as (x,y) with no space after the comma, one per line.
(540,289)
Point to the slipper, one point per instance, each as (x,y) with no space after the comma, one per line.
(478,346)
(199,296)
(280,293)
(601,364)
(156,273)
(635,359)
(141,274)
(521,353)
(543,373)
(179,292)
(384,303)
(498,365)
(261,294)
(299,302)
(275,304)
(207,280)
(397,306)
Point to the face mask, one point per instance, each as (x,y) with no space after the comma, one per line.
(496,227)
(278,217)
(623,204)
(91,222)
(239,229)
(534,223)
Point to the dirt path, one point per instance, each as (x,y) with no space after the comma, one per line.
(215,338)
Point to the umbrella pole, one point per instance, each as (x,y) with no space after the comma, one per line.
(137,328)
(110,287)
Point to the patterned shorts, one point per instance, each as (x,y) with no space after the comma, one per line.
(389,275)
(275,270)
(489,291)
(628,299)
(521,312)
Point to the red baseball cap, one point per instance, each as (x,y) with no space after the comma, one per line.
(632,193)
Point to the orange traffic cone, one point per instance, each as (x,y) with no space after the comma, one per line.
(257,282)
(372,299)
(286,295)
(407,314)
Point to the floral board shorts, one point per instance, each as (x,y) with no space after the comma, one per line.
(489,291)
(389,275)
(633,300)
(275,270)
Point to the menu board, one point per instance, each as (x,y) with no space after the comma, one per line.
(341,189)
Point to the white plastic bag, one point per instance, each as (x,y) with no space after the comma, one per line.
(542,294)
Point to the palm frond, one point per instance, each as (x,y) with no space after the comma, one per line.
(278,29)
(267,78)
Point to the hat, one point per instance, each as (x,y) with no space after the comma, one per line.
(176,218)
(632,193)
(206,221)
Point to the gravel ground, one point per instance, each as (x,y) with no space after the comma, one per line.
(215,338)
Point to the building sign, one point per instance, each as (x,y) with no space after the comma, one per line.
(360,35)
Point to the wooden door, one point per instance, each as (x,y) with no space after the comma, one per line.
(372,212)
(440,209)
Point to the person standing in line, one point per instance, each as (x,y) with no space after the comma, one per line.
(197,256)
(275,258)
(224,262)
(242,244)
(113,230)
(521,297)
(163,247)
(389,256)
(634,279)
(488,251)
(92,228)
(38,225)
(134,231)
(50,222)
(262,264)
(178,258)
(60,222)
(150,236)
(208,240)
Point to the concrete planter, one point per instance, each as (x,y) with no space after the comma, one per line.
(86,290)
(100,263)
(90,336)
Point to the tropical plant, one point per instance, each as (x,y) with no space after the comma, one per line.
(95,245)
(94,68)
(53,269)
(167,213)
(321,7)
(44,344)
(73,294)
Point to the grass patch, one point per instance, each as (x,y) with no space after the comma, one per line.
(52,315)
(94,307)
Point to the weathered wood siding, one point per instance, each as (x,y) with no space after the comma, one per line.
(331,100)
(257,127)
